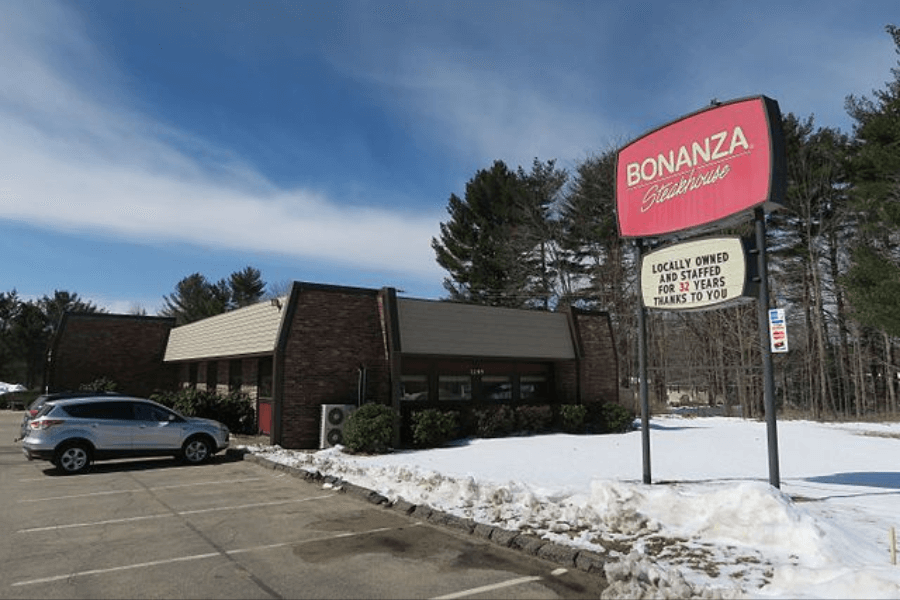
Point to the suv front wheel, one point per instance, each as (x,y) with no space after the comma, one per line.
(196,450)
(72,458)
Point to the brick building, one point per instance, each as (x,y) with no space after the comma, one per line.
(324,345)
(127,349)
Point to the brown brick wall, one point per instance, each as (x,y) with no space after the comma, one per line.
(566,379)
(334,331)
(598,367)
(125,348)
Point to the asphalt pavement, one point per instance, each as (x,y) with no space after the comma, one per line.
(235,528)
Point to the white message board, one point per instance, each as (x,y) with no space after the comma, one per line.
(694,275)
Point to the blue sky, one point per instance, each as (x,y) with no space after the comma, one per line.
(144,141)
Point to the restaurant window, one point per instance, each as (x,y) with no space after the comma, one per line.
(496,388)
(534,387)
(414,387)
(264,377)
(454,387)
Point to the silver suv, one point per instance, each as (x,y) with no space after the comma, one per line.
(73,432)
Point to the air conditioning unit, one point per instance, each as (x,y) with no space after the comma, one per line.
(334,417)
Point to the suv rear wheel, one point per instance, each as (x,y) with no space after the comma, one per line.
(72,458)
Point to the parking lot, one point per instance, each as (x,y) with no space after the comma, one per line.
(233,529)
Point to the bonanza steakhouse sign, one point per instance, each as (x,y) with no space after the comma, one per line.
(704,171)
(700,169)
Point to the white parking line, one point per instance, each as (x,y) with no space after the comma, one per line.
(253,505)
(161,487)
(114,569)
(92,523)
(167,561)
(490,588)
(175,514)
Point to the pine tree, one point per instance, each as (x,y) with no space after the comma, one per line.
(246,286)
(592,268)
(544,186)
(484,244)
(196,298)
(875,175)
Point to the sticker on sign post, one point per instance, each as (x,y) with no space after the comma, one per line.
(778,330)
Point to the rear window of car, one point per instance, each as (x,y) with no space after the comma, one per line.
(100,410)
(38,402)
(44,409)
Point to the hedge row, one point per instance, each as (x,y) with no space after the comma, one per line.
(369,429)
(234,409)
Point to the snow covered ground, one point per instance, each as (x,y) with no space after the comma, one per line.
(709,526)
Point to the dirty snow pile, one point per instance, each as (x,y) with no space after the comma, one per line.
(6,388)
(710,525)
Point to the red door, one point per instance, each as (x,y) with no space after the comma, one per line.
(264,418)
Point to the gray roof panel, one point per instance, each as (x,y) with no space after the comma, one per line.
(455,329)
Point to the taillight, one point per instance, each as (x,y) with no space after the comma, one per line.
(32,412)
(40,424)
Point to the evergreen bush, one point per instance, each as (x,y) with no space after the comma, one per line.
(609,417)
(433,427)
(572,417)
(495,421)
(101,384)
(533,419)
(234,409)
(369,428)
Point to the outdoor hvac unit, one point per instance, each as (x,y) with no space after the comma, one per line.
(334,417)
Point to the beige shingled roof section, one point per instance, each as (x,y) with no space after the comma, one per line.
(249,330)
(454,329)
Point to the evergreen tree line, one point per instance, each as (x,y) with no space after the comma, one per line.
(26,328)
(547,237)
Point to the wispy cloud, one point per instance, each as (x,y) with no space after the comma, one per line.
(496,81)
(485,113)
(76,156)
(557,80)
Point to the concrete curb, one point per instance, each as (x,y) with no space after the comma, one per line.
(565,556)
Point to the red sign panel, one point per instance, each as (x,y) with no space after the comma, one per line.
(700,169)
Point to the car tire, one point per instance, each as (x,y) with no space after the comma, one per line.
(196,450)
(73,458)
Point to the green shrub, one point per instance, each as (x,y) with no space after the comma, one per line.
(102,384)
(369,428)
(572,417)
(234,409)
(533,419)
(609,417)
(433,427)
(495,421)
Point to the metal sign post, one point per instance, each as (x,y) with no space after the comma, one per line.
(643,382)
(765,348)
